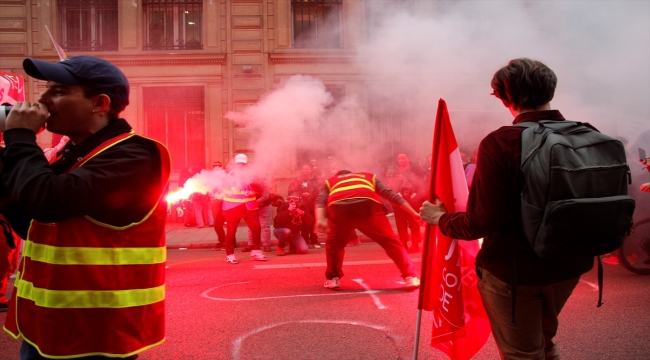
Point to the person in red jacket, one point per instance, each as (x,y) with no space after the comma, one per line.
(350,201)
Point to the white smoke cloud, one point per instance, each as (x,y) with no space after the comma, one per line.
(600,51)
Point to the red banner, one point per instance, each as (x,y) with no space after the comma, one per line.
(460,324)
(12,88)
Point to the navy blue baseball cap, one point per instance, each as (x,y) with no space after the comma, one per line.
(97,74)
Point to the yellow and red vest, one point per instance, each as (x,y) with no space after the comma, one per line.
(235,194)
(352,186)
(88,288)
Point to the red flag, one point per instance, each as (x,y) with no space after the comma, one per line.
(449,282)
(12,87)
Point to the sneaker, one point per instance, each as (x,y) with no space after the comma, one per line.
(246,249)
(281,251)
(266,249)
(611,260)
(333,284)
(231,259)
(4,307)
(317,246)
(257,255)
(412,282)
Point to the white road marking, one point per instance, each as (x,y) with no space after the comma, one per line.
(370,292)
(237,344)
(595,286)
(337,293)
(323,264)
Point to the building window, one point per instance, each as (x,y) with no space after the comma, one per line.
(173,24)
(316,23)
(88,25)
(175,117)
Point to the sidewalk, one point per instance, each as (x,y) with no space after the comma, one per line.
(179,236)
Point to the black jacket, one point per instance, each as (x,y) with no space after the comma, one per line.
(118,186)
(291,220)
(494,212)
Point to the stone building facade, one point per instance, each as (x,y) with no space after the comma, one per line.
(190,62)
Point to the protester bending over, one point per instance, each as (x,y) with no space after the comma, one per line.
(350,201)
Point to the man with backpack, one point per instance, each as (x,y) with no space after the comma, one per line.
(523,283)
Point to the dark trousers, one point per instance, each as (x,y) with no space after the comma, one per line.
(217,214)
(233,216)
(405,222)
(537,311)
(310,236)
(368,217)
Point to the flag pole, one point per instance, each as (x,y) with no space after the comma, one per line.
(59,49)
(417,335)
(427,233)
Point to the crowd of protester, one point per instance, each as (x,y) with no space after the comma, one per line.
(293,221)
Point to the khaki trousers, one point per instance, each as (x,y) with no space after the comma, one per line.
(536,312)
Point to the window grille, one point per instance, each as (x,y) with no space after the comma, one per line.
(173,24)
(316,23)
(88,25)
(175,117)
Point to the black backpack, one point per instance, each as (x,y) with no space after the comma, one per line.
(574,201)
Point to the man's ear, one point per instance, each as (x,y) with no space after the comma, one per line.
(103,103)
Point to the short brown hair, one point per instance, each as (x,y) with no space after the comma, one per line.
(524,83)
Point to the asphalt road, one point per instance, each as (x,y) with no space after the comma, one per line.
(278,309)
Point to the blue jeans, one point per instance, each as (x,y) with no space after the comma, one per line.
(203,211)
(283,235)
(264,213)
